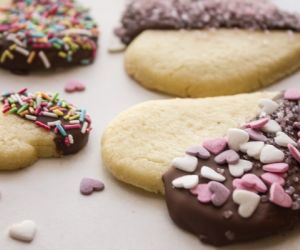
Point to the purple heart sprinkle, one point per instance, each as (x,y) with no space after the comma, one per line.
(89,185)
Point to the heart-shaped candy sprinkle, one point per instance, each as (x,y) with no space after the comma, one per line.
(294,152)
(247,201)
(268,106)
(23,231)
(240,168)
(256,135)
(253,181)
(211,174)
(272,127)
(292,94)
(279,197)
(282,139)
(258,123)
(89,185)
(73,86)
(270,154)
(276,167)
(252,148)
(220,193)
(199,152)
(186,181)
(203,193)
(228,156)
(215,146)
(239,184)
(186,163)
(236,137)
(271,178)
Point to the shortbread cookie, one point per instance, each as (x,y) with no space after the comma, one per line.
(42,35)
(194,49)
(139,144)
(240,186)
(39,125)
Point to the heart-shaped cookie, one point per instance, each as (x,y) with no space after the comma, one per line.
(202,219)
(43,35)
(189,58)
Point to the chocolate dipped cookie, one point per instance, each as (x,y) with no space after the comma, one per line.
(200,48)
(234,160)
(39,125)
(42,35)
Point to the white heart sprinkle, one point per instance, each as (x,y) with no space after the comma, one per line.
(248,202)
(23,231)
(186,163)
(252,148)
(187,181)
(236,137)
(271,127)
(283,139)
(211,174)
(268,106)
(271,154)
(240,168)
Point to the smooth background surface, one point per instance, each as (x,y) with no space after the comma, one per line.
(121,217)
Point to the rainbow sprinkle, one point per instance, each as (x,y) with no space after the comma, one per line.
(33,28)
(47,111)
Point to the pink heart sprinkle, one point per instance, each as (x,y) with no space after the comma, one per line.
(199,152)
(203,193)
(239,184)
(88,186)
(256,135)
(279,197)
(73,86)
(292,94)
(228,156)
(276,167)
(220,193)
(253,181)
(257,124)
(294,152)
(215,146)
(271,178)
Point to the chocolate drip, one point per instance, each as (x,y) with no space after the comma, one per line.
(223,225)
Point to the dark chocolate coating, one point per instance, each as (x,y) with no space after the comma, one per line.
(19,64)
(208,222)
(80,140)
(142,15)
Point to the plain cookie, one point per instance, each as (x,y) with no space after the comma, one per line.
(211,62)
(139,144)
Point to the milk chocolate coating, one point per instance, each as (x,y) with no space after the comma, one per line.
(209,223)
(142,15)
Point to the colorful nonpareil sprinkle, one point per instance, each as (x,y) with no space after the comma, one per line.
(47,111)
(47,30)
